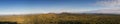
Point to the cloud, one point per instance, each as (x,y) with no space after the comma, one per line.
(108,6)
(109,3)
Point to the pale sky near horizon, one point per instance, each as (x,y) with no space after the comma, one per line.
(45,6)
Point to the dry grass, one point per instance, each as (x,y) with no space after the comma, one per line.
(63,18)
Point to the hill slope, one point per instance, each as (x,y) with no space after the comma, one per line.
(63,18)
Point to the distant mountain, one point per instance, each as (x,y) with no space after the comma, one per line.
(106,11)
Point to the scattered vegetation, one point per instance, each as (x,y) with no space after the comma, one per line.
(63,18)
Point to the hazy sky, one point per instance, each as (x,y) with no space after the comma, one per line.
(45,6)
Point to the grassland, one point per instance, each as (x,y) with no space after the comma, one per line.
(63,18)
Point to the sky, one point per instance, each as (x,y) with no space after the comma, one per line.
(54,6)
